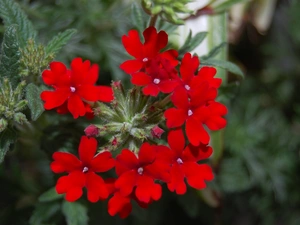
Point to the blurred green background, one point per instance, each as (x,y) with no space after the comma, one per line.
(257,180)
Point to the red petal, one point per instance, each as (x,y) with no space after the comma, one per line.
(196,153)
(196,132)
(188,67)
(126,159)
(154,41)
(131,66)
(208,73)
(177,180)
(171,55)
(126,182)
(151,89)
(96,188)
(215,121)
(146,154)
(87,149)
(197,174)
(167,86)
(106,94)
(89,92)
(92,75)
(132,43)
(180,98)
(64,162)
(119,204)
(140,79)
(76,106)
(79,70)
(176,140)
(102,162)
(159,170)
(55,98)
(175,117)
(146,189)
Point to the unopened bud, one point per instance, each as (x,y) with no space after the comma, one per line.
(91,131)
(20,118)
(156,132)
(3,124)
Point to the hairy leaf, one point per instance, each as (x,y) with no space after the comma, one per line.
(43,212)
(7,137)
(137,17)
(10,57)
(11,13)
(50,195)
(225,65)
(59,41)
(75,213)
(35,103)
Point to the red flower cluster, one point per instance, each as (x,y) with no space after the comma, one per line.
(74,88)
(137,175)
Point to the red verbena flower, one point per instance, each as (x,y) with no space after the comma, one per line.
(194,111)
(140,172)
(72,87)
(184,163)
(82,171)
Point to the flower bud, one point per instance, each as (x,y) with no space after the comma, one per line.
(156,132)
(20,118)
(3,124)
(91,131)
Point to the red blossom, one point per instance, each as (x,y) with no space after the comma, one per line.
(195,111)
(72,87)
(138,173)
(82,171)
(184,163)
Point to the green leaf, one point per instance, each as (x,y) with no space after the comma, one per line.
(35,103)
(223,64)
(59,41)
(50,195)
(43,212)
(137,17)
(11,13)
(190,203)
(10,57)
(224,6)
(213,52)
(192,42)
(7,137)
(75,213)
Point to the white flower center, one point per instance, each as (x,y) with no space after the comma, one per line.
(145,59)
(187,87)
(190,112)
(85,169)
(140,171)
(72,89)
(156,81)
(179,161)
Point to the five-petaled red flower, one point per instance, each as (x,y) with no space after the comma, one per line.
(82,171)
(184,163)
(140,172)
(73,87)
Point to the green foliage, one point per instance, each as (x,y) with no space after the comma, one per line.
(50,195)
(191,42)
(229,66)
(35,103)
(43,213)
(7,138)
(138,18)
(214,52)
(75,213)
(10,55)
(58,41)
(12,14)
(223,6)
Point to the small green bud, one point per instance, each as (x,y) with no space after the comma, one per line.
(20,118)
(3,124)
(156,10)
(20,105)
(139,133)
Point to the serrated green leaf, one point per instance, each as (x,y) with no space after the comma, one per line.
(43,212)
(7,137)
(191,43)
(50,195)
(11,13)
(75,213)
(225,65)
(10,57)
(137,17)
(213,52)
(35,103)
(59,41)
